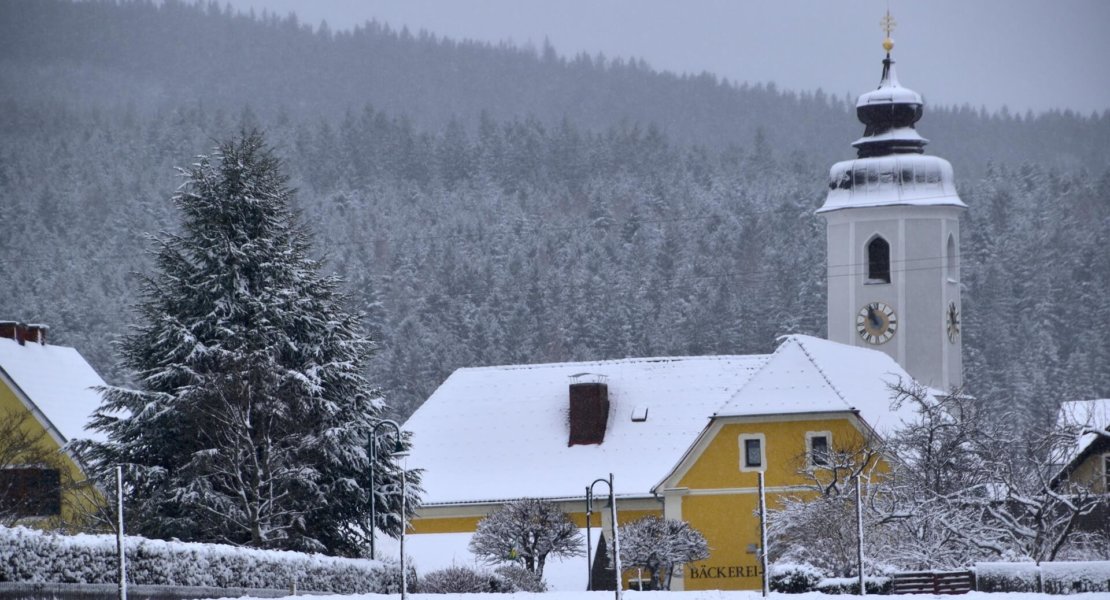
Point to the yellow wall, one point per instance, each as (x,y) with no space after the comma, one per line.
(446,520)
(719,465)
(1090,473)
(721,501)
(78,496)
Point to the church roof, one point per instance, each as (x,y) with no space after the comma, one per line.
(495,433)
(57,381)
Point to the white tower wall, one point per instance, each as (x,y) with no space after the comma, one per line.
(922,284)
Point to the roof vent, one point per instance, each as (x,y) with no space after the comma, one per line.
(589,408)
(639,414)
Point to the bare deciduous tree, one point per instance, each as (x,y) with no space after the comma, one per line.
(660,545)
(526,532)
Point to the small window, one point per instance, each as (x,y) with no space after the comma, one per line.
(878,261)
(953,277)
(31,492)
(817,448)
(753,452)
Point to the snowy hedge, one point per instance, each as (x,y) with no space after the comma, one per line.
(850,585)
(28,555)
(1065,577)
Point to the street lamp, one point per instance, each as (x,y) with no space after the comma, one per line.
(616,534)
(398,448)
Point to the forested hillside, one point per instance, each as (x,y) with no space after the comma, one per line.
(502,205)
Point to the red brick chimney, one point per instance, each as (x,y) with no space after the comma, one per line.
(589,409)
(23,332)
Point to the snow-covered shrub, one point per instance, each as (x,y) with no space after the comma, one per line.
(461,580)
(468,580)
(28,555)
(521,579)
(794,578)
(850,585)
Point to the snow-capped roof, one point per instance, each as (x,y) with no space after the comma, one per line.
(894,180)
(495,433)
(811,375)
(58,381)
(1086,414)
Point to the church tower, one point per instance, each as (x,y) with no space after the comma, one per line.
(893,225)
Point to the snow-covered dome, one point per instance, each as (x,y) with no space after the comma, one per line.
(895,179)
(891,168)
(889,113)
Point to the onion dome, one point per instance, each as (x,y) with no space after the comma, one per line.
(889,113)
(891,168)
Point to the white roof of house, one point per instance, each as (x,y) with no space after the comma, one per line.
(810,375)
(59,382)
(495,433)
(1086,414)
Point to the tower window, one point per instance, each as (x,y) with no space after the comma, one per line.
(951,255)
(878,261)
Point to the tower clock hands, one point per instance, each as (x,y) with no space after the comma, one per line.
(873,316)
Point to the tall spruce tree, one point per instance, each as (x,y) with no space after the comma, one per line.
(250,416)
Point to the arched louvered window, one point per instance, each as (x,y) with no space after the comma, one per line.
(878,260)
(951,255)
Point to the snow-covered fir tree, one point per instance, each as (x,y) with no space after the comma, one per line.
(250,415)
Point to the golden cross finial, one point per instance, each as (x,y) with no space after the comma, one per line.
(888,24)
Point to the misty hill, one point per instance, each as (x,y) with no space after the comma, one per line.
(148,57)
(620,212)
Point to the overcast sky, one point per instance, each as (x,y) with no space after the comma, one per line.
(1026,54)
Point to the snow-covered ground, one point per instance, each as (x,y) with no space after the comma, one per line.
(706,595)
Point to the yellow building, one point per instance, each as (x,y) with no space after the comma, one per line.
(684,437)
(1087,463)
(46,398)
(687,437)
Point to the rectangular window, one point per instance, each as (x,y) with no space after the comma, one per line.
(31,491)
(819,451)
(753,452)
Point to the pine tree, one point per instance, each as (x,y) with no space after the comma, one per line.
(250,415)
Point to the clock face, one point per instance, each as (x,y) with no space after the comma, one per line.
(876,323)
(953,321)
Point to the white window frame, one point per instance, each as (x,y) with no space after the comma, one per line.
(809,447)
(744,437)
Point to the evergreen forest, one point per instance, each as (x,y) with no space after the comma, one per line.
(492,204)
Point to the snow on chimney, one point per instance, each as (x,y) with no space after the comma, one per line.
(23,332)
(589,409)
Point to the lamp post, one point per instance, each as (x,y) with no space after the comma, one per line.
(616,534)
(398,447)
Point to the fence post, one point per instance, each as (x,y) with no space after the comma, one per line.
(120,546)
